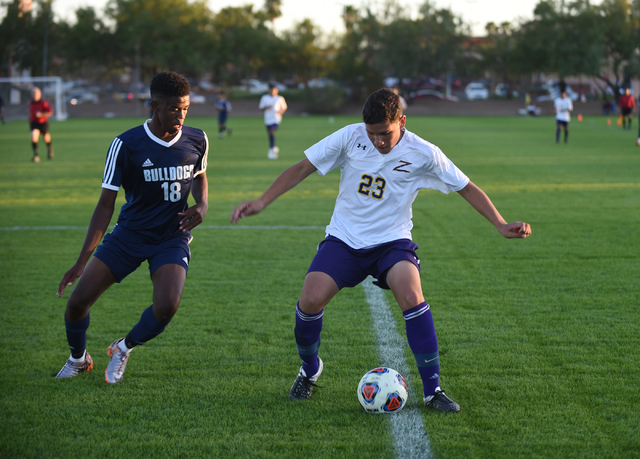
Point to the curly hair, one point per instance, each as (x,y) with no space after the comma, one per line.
(382,106)
(166,85)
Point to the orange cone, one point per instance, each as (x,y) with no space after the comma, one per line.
(608,121)
(580,117)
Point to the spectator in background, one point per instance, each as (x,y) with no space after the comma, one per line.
(224,108)
(627,104)
(39,113)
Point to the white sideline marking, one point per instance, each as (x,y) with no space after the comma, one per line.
(58,228)
(407,427)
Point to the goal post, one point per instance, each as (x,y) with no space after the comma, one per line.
(16,92)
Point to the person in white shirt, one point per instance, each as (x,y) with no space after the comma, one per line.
(274,107)
(383,166)
(563,107)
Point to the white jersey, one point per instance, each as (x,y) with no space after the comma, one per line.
(271,106)
(563,107)
(377,191)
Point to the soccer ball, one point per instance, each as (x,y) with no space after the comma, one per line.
(382,390)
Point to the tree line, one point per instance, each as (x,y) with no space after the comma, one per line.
(567,38)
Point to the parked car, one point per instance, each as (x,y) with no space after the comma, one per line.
(502,90)
(553,91)
(476,90)
(80,98)
(196,98)
(429,94)
(255,86)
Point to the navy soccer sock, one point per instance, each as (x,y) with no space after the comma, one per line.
(77,336)
(557,135)
(146,329)
(272,140)
(421,335)
(307,331)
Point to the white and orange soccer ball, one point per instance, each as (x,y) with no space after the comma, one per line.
(382,390)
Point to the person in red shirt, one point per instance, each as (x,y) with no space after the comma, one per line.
(627,103)
(39,113)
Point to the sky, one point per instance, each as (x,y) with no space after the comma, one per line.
(327,13)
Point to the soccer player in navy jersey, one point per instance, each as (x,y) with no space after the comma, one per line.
(383,166)
(157,164)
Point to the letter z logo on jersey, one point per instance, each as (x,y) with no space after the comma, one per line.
(402,164)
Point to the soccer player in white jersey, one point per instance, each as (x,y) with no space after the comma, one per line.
(274,107)
(383,167)
(563,107)
(157,164)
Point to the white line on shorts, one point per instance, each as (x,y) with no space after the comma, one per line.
(407,427)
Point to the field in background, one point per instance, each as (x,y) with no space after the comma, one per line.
(539,338)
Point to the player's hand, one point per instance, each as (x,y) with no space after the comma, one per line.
(192,217)
(69,278)
(515,230)
(246,209)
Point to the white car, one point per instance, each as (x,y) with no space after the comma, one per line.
(476,91)
(255,86)
(195,98)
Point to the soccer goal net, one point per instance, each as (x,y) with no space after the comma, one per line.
(16,93)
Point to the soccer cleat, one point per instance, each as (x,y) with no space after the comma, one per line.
(439,401)
(303,385)
(50,156)
(276,150)
(117,363)
(71,368)
(36,159)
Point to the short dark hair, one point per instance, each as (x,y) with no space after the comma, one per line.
(382,106)
(166,85)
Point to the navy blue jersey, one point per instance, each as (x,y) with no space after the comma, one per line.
(156,177)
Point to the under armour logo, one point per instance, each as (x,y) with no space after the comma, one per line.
(364,147)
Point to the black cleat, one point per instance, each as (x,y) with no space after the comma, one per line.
(303,385)
(439,401)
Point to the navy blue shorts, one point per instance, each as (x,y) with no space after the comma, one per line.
(563,124)
(222,117)
(348,267)
(272,127)
(123,251)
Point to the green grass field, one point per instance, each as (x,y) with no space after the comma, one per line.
(539,338)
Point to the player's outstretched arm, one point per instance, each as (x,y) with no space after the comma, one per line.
(481,202)
(97,227)
(287,180)
(194,215)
